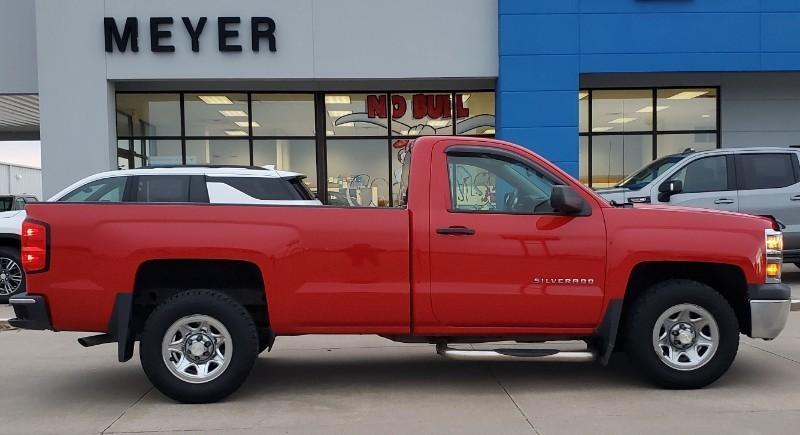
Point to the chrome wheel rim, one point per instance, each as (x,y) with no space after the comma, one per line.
(685,337)
(10,276)
(197,348)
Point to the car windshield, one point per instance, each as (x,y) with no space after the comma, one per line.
(6,203)
(644,176)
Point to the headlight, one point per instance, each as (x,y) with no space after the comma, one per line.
(773,241)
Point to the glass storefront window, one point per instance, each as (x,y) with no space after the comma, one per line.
(422,114)
(583,159)
(364,156)
(626,123)
(148,114)
(160,152)
(289,155)
(687,109)
(622,111)
(356,115)
(475,113)
(676,143)
(218,152)
(616,156)
(282,115)
(358,172)
(215,114)
(583,111)
(399,156)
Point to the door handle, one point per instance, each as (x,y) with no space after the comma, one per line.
(456,231)
(796,198)
(723,201)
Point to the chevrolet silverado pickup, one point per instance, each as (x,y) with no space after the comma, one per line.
(488,242)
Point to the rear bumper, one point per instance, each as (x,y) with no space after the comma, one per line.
(30,311)
(769,309)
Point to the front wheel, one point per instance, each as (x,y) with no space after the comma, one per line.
(682,334)
(198,346)
(12,279)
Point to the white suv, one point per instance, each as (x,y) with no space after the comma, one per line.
(196,184)
(12,213)
(193,184)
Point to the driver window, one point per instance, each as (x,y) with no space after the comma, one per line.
(105,190)
(707,174)
(485,183)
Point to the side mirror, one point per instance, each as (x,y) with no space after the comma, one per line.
(669,188)
(565,200)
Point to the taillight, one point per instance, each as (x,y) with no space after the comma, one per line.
(34,246)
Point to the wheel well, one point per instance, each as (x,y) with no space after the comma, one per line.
(157,280)
(11,242)
(727,279)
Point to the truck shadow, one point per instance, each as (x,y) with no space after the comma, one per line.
(426,374)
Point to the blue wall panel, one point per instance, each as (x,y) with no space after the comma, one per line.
(544,46)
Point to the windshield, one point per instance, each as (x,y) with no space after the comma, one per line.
(644,176)
(6,203)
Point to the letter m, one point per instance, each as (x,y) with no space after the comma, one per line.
(130,34)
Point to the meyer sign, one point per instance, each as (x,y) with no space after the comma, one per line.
(261,28)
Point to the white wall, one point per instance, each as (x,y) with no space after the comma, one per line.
(318,41)
(77,129)
(19,179)
(17,47)
(760,110)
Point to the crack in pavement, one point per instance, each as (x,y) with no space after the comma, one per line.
(126,410)
(510,397)
(771,352)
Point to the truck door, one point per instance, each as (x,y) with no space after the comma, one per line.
(708,182)
(769,185)
(499,255)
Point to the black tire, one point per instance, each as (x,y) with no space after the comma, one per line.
(222,308)
(8,253)
(645,312)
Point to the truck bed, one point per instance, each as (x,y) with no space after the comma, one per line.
(326,269)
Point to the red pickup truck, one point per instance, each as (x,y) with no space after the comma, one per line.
(490,243)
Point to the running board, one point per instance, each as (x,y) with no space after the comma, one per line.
(538,355)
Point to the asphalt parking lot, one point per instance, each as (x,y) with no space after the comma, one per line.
(346,384)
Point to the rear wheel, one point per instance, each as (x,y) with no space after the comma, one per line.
(198,346)
(12,279)
(682,334)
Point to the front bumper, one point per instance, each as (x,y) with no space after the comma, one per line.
(769,309)
(30,311)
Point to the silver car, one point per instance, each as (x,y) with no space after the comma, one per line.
(759,181)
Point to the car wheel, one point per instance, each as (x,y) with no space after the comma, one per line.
(198,346)
(682,334)
(12,278)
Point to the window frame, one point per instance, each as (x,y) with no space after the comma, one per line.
(464,150)
(739,162)
(654,131)
(320,137)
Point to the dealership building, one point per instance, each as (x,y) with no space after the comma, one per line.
(334,89)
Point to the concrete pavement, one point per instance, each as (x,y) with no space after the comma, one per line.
(364,384)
